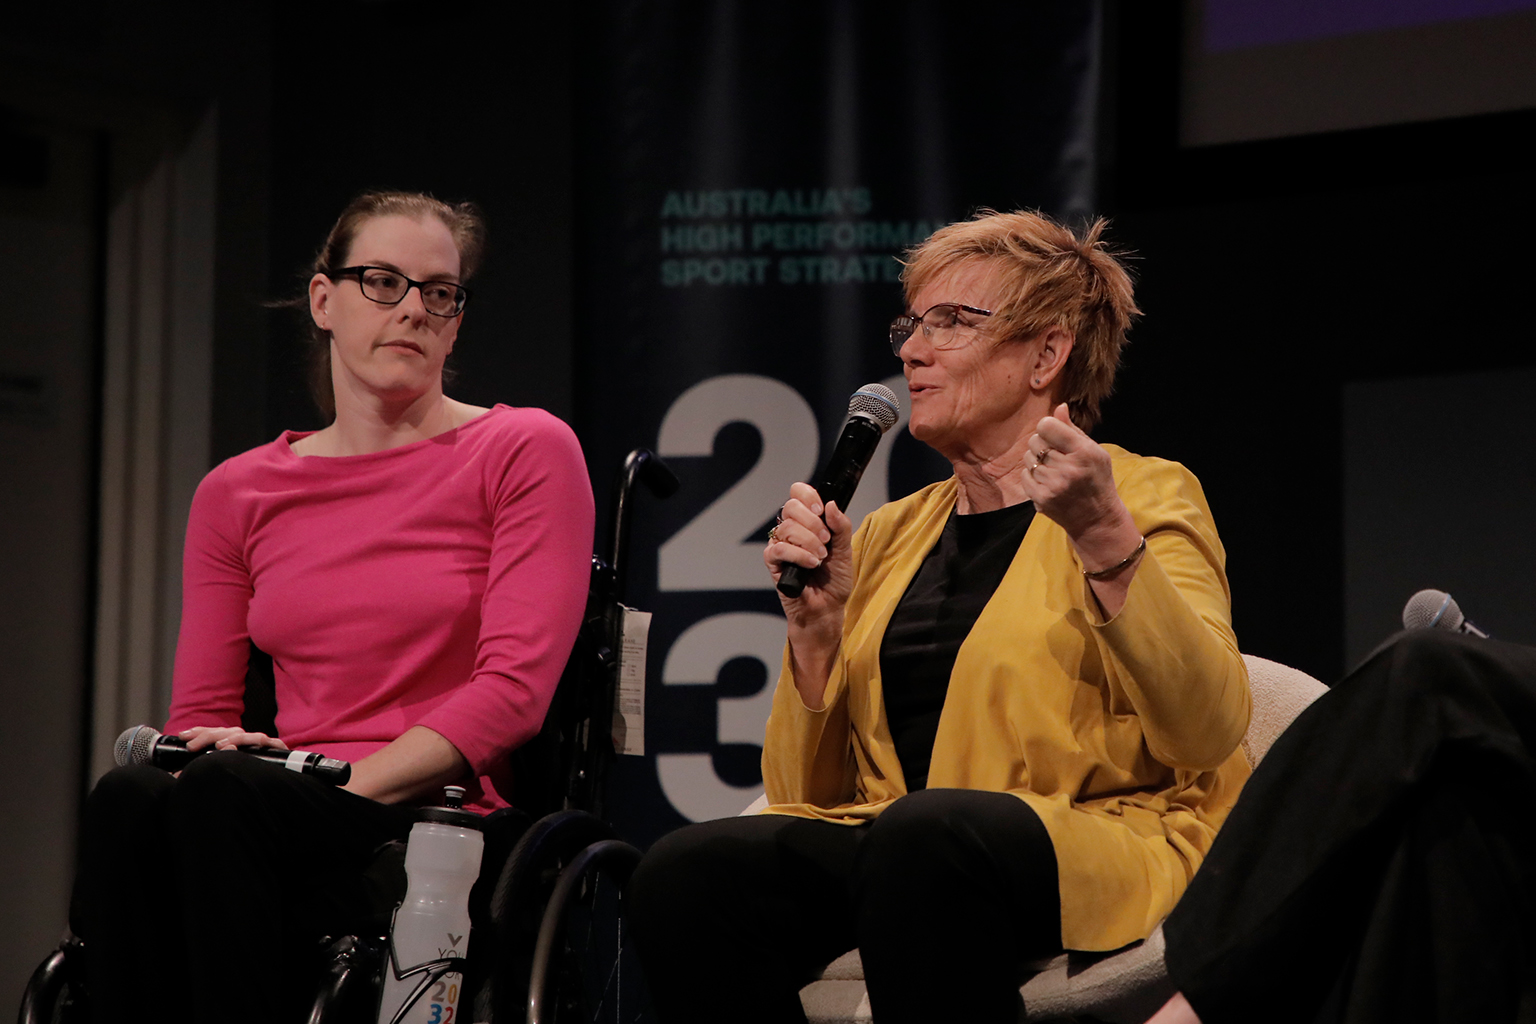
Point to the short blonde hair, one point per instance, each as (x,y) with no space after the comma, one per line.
(1050,277)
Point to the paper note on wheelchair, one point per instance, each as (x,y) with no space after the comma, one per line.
(629,702)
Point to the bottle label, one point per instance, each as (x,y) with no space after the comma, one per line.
(436,1003)
(426,992)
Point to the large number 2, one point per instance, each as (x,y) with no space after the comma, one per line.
(713,553)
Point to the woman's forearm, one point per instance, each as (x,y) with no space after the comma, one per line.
(813,651)
(417,764)
(1107,547)
(1176,657)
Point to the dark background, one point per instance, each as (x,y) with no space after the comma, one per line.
(1271,273)
(685,98)
(455,102)
(1275,273)
(1276,276)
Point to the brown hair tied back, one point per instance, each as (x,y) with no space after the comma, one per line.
(1049,276)
(463,221)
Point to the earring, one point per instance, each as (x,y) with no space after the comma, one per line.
(1037,382)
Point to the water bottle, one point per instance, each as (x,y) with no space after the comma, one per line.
(430,934)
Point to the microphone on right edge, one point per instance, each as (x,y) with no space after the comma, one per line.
(1435,609)
(871,412)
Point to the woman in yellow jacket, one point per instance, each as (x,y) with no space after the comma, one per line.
(1010,705)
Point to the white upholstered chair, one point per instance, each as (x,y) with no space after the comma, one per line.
(1123,987)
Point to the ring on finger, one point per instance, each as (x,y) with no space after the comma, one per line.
(773,534)
(1040,459)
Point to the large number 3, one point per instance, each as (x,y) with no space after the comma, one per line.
(713,552)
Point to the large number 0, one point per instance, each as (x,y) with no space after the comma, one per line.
(712,553)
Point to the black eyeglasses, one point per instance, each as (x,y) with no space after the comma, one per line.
(938,324)
(388,287)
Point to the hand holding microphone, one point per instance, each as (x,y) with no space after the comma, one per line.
(143,745)
(201,738)
(871,412)
(810,551)
(811,536)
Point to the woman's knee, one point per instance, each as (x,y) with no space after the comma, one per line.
(740,867)
(1447,668)
(681,867)
(218,767)
(132,790)
(930,825)
(1434,655)
(220,782)
(911,846)
(975,867)
(129,805)
(933,840)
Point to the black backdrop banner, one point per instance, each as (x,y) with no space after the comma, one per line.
(749,174)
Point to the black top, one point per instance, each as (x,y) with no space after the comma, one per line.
(935,615)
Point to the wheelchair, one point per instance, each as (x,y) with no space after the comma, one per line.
(552,949)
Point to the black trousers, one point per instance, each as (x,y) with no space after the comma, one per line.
(209,893)
(947,895)
(1379,865)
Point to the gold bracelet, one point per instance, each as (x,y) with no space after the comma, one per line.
(1098,574)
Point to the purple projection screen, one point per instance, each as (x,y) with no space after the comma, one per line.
(1264,69)
(1237,24)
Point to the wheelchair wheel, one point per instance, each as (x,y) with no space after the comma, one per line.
(55,992)
(579,956)
(523,889)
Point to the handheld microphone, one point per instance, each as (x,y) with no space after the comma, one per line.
(143,745)
(1438,610)
(871,412)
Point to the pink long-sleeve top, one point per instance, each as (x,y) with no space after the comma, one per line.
(438,584)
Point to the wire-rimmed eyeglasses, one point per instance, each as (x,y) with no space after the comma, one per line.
(938,323)
(388,288)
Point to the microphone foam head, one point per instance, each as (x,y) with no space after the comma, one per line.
(1432,608)
(875,402)
(135,745)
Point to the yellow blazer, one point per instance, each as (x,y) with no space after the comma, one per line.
(1121,734)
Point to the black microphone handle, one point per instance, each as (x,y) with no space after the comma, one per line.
(838,479)
(171,754)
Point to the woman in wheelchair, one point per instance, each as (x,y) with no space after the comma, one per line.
(1010,705)
(416,570)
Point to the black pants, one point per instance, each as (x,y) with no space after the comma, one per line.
(1379,865)
(208,893)
(947,895)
